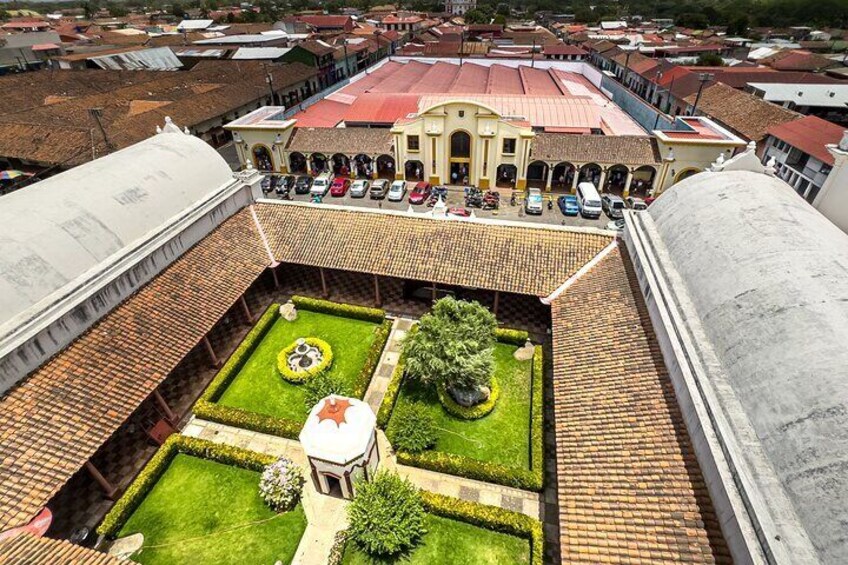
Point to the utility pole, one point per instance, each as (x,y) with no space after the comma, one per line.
(269,78)
(533,56)
(461,44)
(704,78)
(96,114)
(347,61)
(626,68)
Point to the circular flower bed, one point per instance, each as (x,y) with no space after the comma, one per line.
(281,485)
(301,374)
(470,412)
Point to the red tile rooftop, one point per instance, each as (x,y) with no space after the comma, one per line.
(810,134)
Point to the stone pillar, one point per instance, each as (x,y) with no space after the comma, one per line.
(626,192)
(550,176)
(575,179)
(601,179)
(374,167)
(351,166)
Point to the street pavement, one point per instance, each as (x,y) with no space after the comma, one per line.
(456,197)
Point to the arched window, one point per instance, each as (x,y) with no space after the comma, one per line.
(460,145)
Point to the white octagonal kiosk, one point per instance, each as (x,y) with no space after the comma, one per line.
(340,441)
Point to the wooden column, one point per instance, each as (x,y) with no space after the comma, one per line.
(169,414)
(108,488)
(214,358)
(276,278)
(246,309)
(434,293)
(497,301)
(324,283)
(377,300)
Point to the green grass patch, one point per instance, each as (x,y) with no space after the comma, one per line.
(258,387)
(202,511)
(501,437)
(449,542)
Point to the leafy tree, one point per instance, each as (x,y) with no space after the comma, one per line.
(709,60)
(178,10)
(413,429)
(692,20)
(739,26)
(386,516)
(117,10)
(454,346)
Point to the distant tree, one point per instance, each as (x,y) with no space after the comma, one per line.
(709,60)
(478,16)
(178,10)
(692,20)
(500,19)
(738,26)
(117,10)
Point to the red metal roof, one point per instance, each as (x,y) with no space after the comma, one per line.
(381,108)
(810,134)
(324,114)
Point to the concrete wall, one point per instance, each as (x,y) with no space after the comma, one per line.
(832,200)
(109,287)
(643,113)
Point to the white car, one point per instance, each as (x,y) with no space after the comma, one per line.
(616,225)
(533,203)
(397,191)
(321,185)
(359,188)
(636,203)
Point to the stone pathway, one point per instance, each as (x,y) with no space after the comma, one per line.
(388,362)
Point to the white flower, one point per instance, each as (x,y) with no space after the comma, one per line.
(281,484)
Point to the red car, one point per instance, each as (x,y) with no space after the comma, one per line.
(339,186)
(459,211)
(420,193)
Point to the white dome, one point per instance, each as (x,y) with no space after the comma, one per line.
(338,430)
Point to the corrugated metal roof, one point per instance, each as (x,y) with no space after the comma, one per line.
(247,53)
(156,58)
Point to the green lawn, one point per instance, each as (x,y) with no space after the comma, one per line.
(198,511)
(259,387)
(449,542)
(503,436)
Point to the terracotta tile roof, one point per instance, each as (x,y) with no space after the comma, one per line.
(563,49)
(350,141)
(810,134)
(26,549)
(744,113)
(523,260)
(601,149)
(629,484)
(315,47)
(56,418)
(798,60)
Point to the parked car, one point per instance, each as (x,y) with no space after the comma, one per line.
(303,184)
(321,184)
(287,182)
(613,206)
(359,188)
(533,202)
(459,211)
(420,193)
(339,186)
(649,200)
(397,191)
(616,225)
(568,205)
(379,189)
(588,200)
(635,203)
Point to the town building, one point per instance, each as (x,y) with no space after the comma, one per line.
(459,7)
(488,123)
(827,101)
(832,199)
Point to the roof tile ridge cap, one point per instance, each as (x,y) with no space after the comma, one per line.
(547,300)
(262,236)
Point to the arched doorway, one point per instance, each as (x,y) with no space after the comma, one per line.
(685,174)
(563,176)
(506,176)
(537,174)
(262,159)
(616,179)
(590,172)
(297,163)
(414,170)
(319,163)
(460,157)
(362,166)
(341,164)
(386,167)
(643,181)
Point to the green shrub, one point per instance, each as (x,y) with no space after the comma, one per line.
(247,420)
(470,412)
(537,416)
(375,315)
(152,472)
(337,551)
(299,377)
(513,337)
(393,389)
(381,336)
(234,364)
(413,430)
(467,467)
(322,386)
(386,516)
(281,484)
(491,518)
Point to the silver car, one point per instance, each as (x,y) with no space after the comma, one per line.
(397,191)
(636,203)
(533,204)
(359,188)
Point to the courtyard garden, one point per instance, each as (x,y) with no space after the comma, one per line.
(198,502)
(487,427)
(287,363)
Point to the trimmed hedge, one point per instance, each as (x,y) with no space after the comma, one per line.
(481,515)
(375,315)
(470,412)
(300,377)
(152,472)
(491,518)
(392,391)
(528,479)
(207,407)
(513,337)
